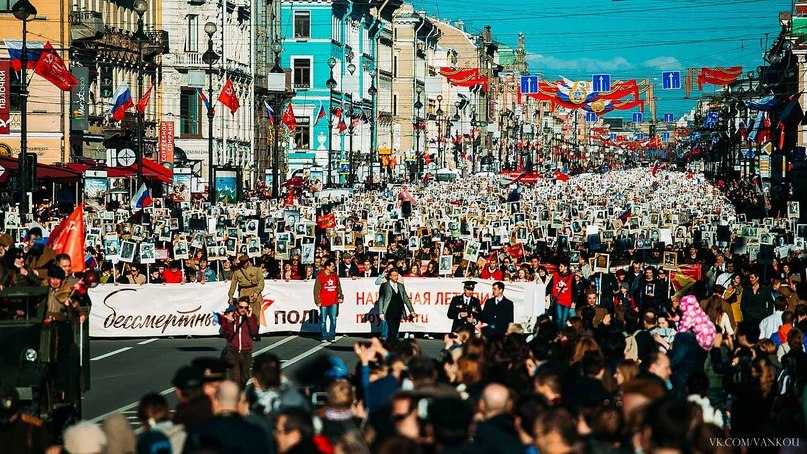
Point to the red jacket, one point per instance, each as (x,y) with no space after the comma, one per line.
(172,277)
(239,332)
(496,274)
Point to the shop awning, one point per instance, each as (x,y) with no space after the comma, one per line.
(54,174)
(151,171)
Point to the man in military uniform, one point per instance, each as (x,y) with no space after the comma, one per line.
(250,283)
(465,309)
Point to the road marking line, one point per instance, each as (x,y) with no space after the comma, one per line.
(167,391)
(107,355)
(148,341)
(301,356)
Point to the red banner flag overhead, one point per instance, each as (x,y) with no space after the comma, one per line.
(144,101)
(326,221)
(718,76)
(228,96)
(68,238)
(52,68)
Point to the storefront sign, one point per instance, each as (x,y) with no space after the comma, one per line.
(79,111)
(167,142)
(5,99)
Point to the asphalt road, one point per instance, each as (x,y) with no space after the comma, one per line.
(122,371)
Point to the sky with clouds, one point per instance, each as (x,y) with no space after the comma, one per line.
(629,39)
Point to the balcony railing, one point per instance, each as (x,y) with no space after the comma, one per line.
(86,25)
(189,59)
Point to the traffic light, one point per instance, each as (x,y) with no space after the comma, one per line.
(106,80)
(652,130)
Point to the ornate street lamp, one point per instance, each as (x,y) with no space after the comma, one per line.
(210,57)
(331,84)
(140,7)
(24,11)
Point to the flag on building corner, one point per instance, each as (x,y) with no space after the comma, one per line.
(341,126)
(33,49)
(51,67)
(141,198)
(205,100)
(68,238)
(320,114)
(289,119)
(144,101)
(270,113)
(121,102)
(228,96)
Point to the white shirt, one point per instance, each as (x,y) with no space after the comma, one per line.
(394,286)
(770,325)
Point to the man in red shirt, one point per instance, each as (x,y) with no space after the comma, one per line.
(492,270)
(562,294)
(327,297)
(239,328)
(173,275)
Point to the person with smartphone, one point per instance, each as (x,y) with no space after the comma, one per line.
(239,327)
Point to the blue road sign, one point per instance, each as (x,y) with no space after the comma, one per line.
(591,117)
(529,85)
(601,82)
(344,167)
(665,136)
(669,118)
(637,117)
(711,119)
(671,80)
(639,136)
(613,136)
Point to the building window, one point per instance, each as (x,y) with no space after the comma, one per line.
(192,40)
(395,104)
(302,134)
(302,72)
(395,66)
(302,24)
(5,5)
(190,114)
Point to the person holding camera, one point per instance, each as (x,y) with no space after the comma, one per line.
(239,328)
(465,309)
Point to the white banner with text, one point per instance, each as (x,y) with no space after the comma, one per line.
(179,310)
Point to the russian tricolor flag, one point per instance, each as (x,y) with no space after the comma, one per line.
(320,114)
(121,102)
(270,113)
(204,99)
(142,198)
(33,49)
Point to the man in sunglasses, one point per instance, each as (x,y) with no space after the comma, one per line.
(239,327)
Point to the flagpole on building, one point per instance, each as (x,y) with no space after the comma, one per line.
(23,10)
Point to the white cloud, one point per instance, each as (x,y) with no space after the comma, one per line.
(663,63)
(540,62)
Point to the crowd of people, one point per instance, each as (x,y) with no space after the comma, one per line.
(640,357)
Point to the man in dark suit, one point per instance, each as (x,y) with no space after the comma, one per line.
(497,312)
(368,270)
(346,267)
(391,300)
(465,309)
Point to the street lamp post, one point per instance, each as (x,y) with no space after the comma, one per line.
(473,139)
(368,66)
(331,84)
(419,159)
(23,10)
(277,48)
(210,57)
(439,127)
(140,7)
(456,153)
(350,153)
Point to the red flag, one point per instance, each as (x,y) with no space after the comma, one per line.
(51,67)
(288,118)
(326,221)
(655,168)
(141,105)
(68,238)
(289,198)
(228,96)
(560,176)
(341,126)
(516,251)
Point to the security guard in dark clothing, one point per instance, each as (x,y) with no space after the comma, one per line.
(195,407)
(20,432)
(465,309)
